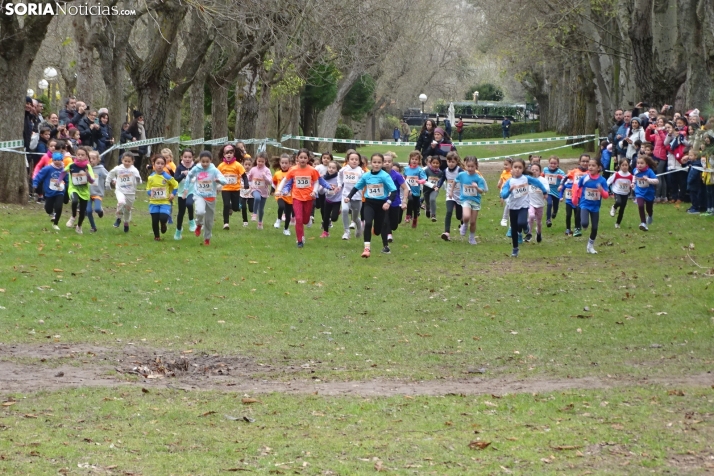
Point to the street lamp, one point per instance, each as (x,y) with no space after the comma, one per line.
(31,92)
(42,84)
(50,75)
(422,98)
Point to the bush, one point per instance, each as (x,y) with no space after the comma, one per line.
(491,131)
(343,132)
(387,129)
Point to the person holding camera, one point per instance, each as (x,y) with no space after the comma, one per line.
(657,135)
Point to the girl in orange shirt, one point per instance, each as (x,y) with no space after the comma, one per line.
(304,189)
(285,202)
(234,173)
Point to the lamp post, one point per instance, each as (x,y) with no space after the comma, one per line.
(422,98)
(31,92)
(50,75)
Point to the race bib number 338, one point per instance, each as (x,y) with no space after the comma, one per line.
(302,182)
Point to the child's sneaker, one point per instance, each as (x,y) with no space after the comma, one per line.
(286,232)
(539,238)
(171,220)
(353,225)
(300,244)
(472,240)
(177,235)
(192,225)
(504,222)
(198,229)
(126,228)
(292,221)
(514,253)
(366,253)
(520,238)
(548,223)
(386,250)
(260,225)
(163,228)
(206,242)
(617,225)
(414,222)
(117,222)
(433,217)
(78,229)
(71,222)
(346,235)
(157,238)
(226,226)
(508,233)
(462,229)
(406,220)
(245,224)
(643,227)
(612,211)
(528,237)
(309,223)
(324,234)
(55,227)
(92,230)
(277,223)
(445,236)
(568,232)
(100,214)
(578,232)
(650,219)
(591,249)
(253,217)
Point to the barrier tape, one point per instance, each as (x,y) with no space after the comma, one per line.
(404,144)
(11,144)
(487,159)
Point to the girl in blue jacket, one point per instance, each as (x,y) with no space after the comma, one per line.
(644,192)
(53,186)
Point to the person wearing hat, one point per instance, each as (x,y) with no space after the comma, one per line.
(138,132)
(440,146)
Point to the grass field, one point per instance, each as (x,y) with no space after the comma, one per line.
(596,363)
(486,151)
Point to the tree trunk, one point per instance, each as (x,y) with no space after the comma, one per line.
(331,115)
(85,61)
(262,123)
(219,110)
(246,106)
(197,109)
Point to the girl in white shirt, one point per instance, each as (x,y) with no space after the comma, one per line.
(538,202)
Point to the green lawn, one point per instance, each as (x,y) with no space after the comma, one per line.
(430,310)
(493,150)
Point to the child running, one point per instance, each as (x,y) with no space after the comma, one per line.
(347,178)
(205,177)
(332,202)
(52,180)
(96,190)
(285,202)
(516,191)
(161,188)
(537,199)
(588,193)
(431,191)
(246,196)
(621,185)
(554,175)
(415,176)
(472,186)
(453,194)
(505,175)
(169,168)
(124,178)
(80,176)
(260,179)
(394,216)
(644,193)
(234,173)
(380,192)
(567,188)
(184,204)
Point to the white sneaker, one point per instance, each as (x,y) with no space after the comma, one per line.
(462,229)
(226,226)
(612,211)
(643,227)
(78,229)
(55,227)
(353,226)
(277,223)
(70,222)
(309,224)
(504,222)
(286,232)
(346,236)
(245,224)
(253,217)
(617,225)
(591,249)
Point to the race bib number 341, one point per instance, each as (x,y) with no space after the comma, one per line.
(375,190)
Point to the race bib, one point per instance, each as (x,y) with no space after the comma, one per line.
(79,178)
(532,189)
(258,183)
(203,186)
(520,191)
(125,180)
(592,194)
(245,193)
(412,180)
(470,190)
(552,179)
(375,190)
(158,193)
(56,185)
(350,177)
(642,183)
(433,181)
(231,179)
(568,193)
(623,187)
(302,182)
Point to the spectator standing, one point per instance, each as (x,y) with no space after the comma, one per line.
(70,108)
(405,131)
(104,136)
(80,114)
(460,128)
(426,136)
(506,128)
(395,134)
(88,129)
(138,132)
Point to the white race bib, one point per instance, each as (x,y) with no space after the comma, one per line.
(203,186)
(125,180)
(375,190)
(592,194)
(532,189)
(520,191)
(302,182)
(350,177)
(412,180)
(552,179)
(470,190)
(258,183)
(433,181)
(568,193)
(245,193)
(642,183)
(622,187)
(56,185)
(231,179)
(158,193)
(79,178)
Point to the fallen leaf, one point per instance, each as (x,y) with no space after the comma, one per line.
(57,270)
(30,415)
(661,313)
(379,466)
(7,404)
(677,393)
(253,262)
(617,426)
(479,445)
(144,390)
(59,374)
(208,413)
(246,401)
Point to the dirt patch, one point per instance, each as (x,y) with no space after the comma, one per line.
(74,366)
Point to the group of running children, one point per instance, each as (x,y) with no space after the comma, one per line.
(371,197)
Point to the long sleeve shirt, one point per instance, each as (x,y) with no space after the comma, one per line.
(206,181)
(126,179)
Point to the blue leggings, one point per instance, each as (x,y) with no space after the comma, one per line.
(259,205)
(97,208)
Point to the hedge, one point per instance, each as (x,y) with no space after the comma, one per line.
(490,131)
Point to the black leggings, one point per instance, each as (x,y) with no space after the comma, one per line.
(54,205)
(157,218)
(620,203)
(246,206)
(374,217)
(231,201)
(78,201)
(553,204)
(568,214)
(594,217)
(450,205)
(393,217)
(183,205)
(519,223)
(287,208)
(330,212)
(413,206)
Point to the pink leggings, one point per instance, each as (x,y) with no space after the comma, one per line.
(535,215)
(302,211)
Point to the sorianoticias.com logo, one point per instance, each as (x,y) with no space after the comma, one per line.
(60,8)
